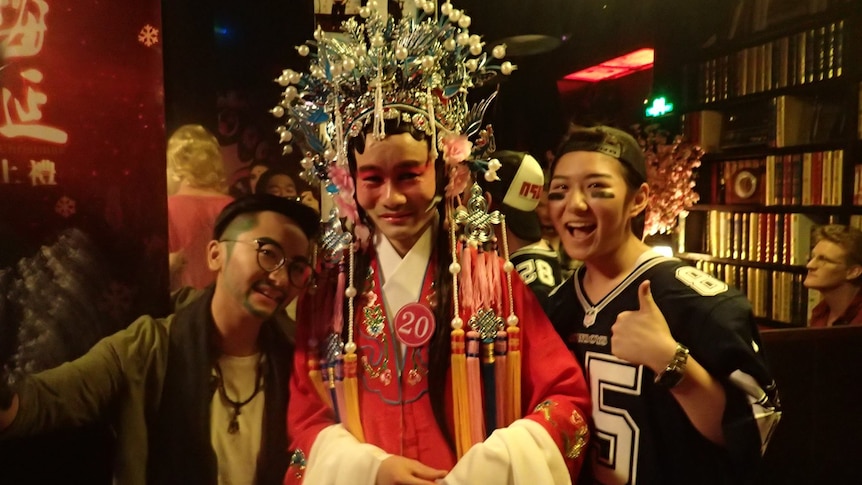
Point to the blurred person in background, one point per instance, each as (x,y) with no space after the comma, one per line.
(835,270)
(197,188)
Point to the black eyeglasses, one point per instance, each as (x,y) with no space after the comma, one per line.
(271,258)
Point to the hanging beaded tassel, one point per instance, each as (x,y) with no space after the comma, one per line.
(502,377)
(458,363)
(351,386)
(514,333)
(473,258)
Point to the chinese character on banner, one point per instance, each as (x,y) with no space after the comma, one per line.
(22,36)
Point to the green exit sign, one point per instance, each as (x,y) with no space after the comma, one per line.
(659,107)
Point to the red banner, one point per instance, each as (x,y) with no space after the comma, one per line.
(82,137)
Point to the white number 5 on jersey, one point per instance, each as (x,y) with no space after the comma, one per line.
(617,434)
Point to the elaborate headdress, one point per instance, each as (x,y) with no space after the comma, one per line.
(418,69)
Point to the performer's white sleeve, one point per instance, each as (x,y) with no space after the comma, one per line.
(522,454)
(338,458)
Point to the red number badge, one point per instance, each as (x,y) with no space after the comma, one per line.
(414,324)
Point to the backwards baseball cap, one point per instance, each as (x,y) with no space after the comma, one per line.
(302,215)
(609,141)
(517,193)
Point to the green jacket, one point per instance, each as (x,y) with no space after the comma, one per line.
(159,398)
(125,370)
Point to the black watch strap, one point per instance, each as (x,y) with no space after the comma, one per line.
(675,370)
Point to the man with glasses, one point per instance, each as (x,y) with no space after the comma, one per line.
(199,396)
(835,270)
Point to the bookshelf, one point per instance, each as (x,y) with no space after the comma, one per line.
(776,103)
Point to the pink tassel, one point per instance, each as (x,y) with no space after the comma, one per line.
(468,303)
(481,278)
(495,296)
(474,386)
(338,314)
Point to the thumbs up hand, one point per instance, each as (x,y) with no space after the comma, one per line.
(642,336)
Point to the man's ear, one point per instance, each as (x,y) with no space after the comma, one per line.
(640,200)
(854,272)
(215,256)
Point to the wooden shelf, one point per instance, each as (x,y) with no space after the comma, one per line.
(765,151)
(843,86)
(779,209)
(743,262)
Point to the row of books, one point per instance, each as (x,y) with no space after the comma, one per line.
(810,178)
(779,122)
(803,179)
(812,55)
(760,237)
(779,296)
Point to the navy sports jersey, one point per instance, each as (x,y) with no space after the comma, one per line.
(539,269)
(641,434)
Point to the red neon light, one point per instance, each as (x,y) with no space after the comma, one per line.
(617,67)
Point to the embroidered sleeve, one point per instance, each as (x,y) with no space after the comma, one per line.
(553,387)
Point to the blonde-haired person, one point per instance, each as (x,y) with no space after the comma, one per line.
(835,270)
(197,188)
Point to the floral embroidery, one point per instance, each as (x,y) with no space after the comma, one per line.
(414,376)
(297,463)
(574,441)
(574,444)
(373,320)
(382,371)
(386,377)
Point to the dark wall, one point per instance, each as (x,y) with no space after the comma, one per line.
(820,382)
(216,46)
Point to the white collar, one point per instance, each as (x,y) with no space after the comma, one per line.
(402,278)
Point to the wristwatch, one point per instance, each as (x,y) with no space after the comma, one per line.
(675,370)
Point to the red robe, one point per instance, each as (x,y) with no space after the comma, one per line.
(395,408)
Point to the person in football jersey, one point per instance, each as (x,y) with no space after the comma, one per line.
(835,270)
(681,392)
(516,195)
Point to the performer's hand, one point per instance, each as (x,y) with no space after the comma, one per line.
(643,337)
(398,470)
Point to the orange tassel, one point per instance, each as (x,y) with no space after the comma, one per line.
(460,393)
(351,397)
(502,377)
(316,378)
(513,360)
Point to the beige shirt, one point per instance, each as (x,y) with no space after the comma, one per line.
(237,452)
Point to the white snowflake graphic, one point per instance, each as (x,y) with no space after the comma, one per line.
(149,35)
(65,207)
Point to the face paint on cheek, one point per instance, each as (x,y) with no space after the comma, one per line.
(604,194)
